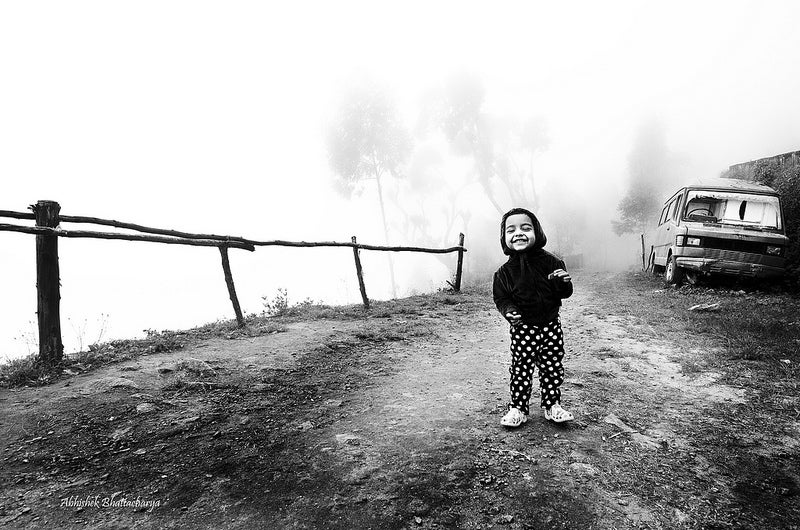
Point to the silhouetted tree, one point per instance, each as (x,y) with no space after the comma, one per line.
(428,200)
(650,170)
(367,141)
(502,149)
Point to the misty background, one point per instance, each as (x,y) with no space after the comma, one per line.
(232,118)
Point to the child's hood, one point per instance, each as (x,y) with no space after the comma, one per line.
(541,238)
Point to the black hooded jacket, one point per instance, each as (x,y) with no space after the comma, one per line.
(521,283)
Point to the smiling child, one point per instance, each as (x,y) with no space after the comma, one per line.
(528,290)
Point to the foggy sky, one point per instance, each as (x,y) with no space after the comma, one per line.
(210,117)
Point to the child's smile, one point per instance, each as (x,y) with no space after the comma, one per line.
(519,232)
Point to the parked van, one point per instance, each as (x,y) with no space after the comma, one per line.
(720,226)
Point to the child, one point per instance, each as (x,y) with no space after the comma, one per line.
(528,289)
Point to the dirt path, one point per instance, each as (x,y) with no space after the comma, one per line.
(389,421)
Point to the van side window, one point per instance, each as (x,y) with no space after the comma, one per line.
(663,215)
(670,213)
(674,210)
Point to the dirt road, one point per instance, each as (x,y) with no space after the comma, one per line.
(391,420)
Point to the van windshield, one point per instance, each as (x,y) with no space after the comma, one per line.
(748,210)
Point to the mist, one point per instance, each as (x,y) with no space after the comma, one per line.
(217,118)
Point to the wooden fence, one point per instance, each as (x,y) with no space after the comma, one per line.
(47,216)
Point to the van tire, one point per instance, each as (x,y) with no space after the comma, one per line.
(673,274)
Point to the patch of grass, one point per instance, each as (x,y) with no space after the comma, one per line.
(418,305)
(693,366)
(607,351)
(752,341)
(29,372)
(321,312)
(759,335)
(120,350)
(26,371)
(758,324)
(255,325)
(382,335)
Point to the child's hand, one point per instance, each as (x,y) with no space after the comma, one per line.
(561,274)
(514,318)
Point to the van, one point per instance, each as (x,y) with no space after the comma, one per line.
(720,227)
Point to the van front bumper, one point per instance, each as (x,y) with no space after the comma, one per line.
(734,268)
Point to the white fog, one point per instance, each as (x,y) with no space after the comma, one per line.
(214,118)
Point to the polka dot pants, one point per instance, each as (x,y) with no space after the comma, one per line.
(542,347)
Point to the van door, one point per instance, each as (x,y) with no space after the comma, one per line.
(658,238)
(665,233)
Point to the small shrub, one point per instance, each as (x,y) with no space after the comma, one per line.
(120,350)
(279,306)
(162,342)
(26,371)
(92,356)
(693,366)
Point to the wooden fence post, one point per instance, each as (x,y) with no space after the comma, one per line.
(644,259)
(459,266)
(360,274)
(48,302)
(226,268)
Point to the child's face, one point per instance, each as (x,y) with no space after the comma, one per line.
(519,232)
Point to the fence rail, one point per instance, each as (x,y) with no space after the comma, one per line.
(47,216)
(46,231)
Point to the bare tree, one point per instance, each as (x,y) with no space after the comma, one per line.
(503,149)
(428,200)
(650,170)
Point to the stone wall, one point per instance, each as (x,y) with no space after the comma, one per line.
(745,170)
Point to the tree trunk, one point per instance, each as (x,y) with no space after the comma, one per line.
(488,191)
(385,230)
(483,159)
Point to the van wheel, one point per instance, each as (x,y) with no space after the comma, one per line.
(673,275)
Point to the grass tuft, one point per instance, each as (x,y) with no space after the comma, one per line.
(26,371)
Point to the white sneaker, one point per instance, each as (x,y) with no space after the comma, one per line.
(557,414)
(513,418)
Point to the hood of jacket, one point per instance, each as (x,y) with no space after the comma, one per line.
(541,238)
